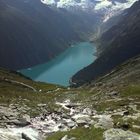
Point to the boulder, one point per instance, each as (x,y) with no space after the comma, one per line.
(113,93)
(19,123)
(126,113)
(26,117)
(41,105)
(87,111)
(24,136)
(119,134)
(125,126)
(71,124)
(105,122)
(65,137)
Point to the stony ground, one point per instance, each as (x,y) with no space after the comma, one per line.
(109,115)
(108,109)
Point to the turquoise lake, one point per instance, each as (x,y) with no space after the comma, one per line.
(60,69)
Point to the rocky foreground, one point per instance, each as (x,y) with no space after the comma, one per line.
(108,109)
(69,115)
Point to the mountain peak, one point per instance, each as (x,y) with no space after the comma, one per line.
(108,8)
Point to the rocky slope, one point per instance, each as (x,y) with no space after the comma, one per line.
(33,33)
(118,44)
(106,109)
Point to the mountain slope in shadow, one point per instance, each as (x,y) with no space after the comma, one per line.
(32,33)
(118,44)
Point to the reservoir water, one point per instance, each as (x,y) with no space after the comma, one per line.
(60,69)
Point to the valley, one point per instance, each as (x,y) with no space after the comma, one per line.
(70,70)
(115,46)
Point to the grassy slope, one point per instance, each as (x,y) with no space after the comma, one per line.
(125,79)
(16,93)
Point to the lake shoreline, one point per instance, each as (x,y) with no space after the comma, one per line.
(60,69)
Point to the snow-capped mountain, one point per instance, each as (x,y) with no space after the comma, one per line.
(83,4)
(112,7)
(107,7)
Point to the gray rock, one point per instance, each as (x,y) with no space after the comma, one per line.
(86,126)
(105,122)
(87,111)
(125,126)
(65,137)
(71,124)
(19,123)
(126,113)
(26,117)
(113,93)
(81,122)
(41,105)
(19,134)
(119,134)
(24,136)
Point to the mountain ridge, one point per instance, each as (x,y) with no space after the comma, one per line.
(29,35)
(118,44)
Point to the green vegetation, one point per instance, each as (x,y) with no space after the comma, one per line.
(13,93)
(80,134)
(131,91)
(119,122)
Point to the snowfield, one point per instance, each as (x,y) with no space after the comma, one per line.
(108,7)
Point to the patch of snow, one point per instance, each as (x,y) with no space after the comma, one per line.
(111,9)
(103,4)
(84,4)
